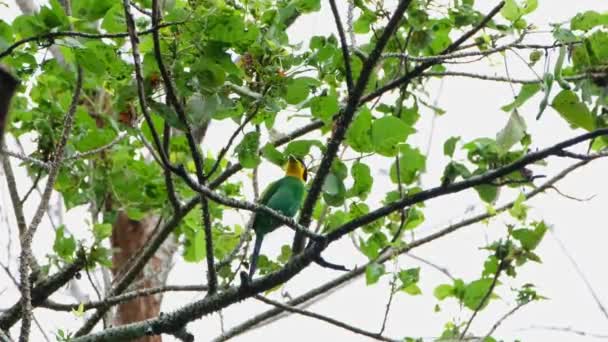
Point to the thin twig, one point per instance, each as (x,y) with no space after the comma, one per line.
(432,264)
(326,319)
(580,273)
(484,299)
(567,330)
(54,35)
(573,78)
(344,45)
(25,158)
(503,318)
(124,297)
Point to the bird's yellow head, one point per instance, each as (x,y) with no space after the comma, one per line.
(295,167)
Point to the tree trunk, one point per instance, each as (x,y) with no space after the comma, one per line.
(128,238)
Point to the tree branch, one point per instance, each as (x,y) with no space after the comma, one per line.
(156,241)
(343,121)
(405,79)
(174,321)
(459,186)
(123,297)
(42,290)
(26,241)
(341,281)
(323,318)
(194,151)
(348,71)
(53,35)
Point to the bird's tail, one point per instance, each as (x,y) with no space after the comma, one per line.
(255,254)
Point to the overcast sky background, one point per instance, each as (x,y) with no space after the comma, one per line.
(473,110)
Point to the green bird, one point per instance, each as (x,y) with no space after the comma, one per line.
(285,196)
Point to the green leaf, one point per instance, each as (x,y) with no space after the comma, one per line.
(363,23)
(64,246)
(363,180)
(387,133)
(488,193)
(167,113)
(273,155)
(443,291)
(114,20)
(449,146)
(247,150)
(527,92)
(530,238)
(512,133)
(563,35)
(26,26)
(475,292)
(490,266)
(306,6)
(359,136)
(414,219)
(102,231)
(411,163)
(588,20)
(91,9)
(53,16)
(334,190)
(511,10)
(598,44)
(409,277)
(519,209)
(135,213)
(454,170)
(298,90)
(194,247)
(373,272)
(301,148)
(568,105)
(529,6)
(324,107)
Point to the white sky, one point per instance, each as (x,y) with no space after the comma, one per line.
(473,110)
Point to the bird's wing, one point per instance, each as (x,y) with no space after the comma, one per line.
(270,190)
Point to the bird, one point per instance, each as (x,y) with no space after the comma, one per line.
(285,196)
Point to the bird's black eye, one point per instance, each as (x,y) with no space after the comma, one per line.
(305,174)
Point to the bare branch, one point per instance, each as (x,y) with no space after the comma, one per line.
(326,319)
(573,78)
(339,282)
(485,298)
(580,273)
(123,297)
(51,36)
(26,241)
(42,290)
(504,317)
(455,55)
(25,158)
(567,330)
(433,265)
(344,45)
